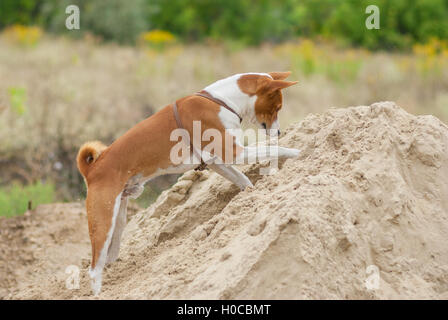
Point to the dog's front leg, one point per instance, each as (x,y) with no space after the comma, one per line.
(227,171)
(261,153)
(232,174)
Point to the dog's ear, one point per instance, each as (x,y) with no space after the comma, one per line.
(280,84)
(252,83)
(280,75)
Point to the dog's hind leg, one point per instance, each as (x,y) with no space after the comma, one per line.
(103,207)
(120,224)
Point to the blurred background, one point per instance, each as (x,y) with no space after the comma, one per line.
(60,87)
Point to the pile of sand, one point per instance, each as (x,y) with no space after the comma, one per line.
(370,189)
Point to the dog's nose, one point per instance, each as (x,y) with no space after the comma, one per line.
(278,132)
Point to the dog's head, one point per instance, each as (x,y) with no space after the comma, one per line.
(269,99)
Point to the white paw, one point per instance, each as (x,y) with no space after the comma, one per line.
(95,281)
(247,185)
(293,153)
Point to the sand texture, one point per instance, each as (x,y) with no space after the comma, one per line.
(369,189)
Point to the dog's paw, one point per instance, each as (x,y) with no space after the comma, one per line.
(293,153)
(248,186)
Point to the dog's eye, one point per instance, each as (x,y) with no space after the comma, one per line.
(263,125)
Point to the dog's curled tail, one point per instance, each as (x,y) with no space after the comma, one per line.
(88,154)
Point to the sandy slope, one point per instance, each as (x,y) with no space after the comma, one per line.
(370,188)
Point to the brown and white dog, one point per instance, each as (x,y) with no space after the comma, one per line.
(114,173)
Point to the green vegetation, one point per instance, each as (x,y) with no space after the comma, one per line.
(17,99)
(116,20)
(93,91)
(15,199)
(403,22)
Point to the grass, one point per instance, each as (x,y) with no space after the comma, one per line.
(15,199)
(58,93)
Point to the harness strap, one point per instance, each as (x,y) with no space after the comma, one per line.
(208,96)
(179,125)
(176,115)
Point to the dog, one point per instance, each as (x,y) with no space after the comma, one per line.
(117,172)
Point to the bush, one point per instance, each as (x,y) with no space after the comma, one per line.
(403,22)
(116,20)
(246,21)
(19,12)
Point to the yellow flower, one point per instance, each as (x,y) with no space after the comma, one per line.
(23,35)
(156,37)
(445,53)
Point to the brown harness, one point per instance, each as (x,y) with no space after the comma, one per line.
(206,95)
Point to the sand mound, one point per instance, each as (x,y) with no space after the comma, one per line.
(370,189)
